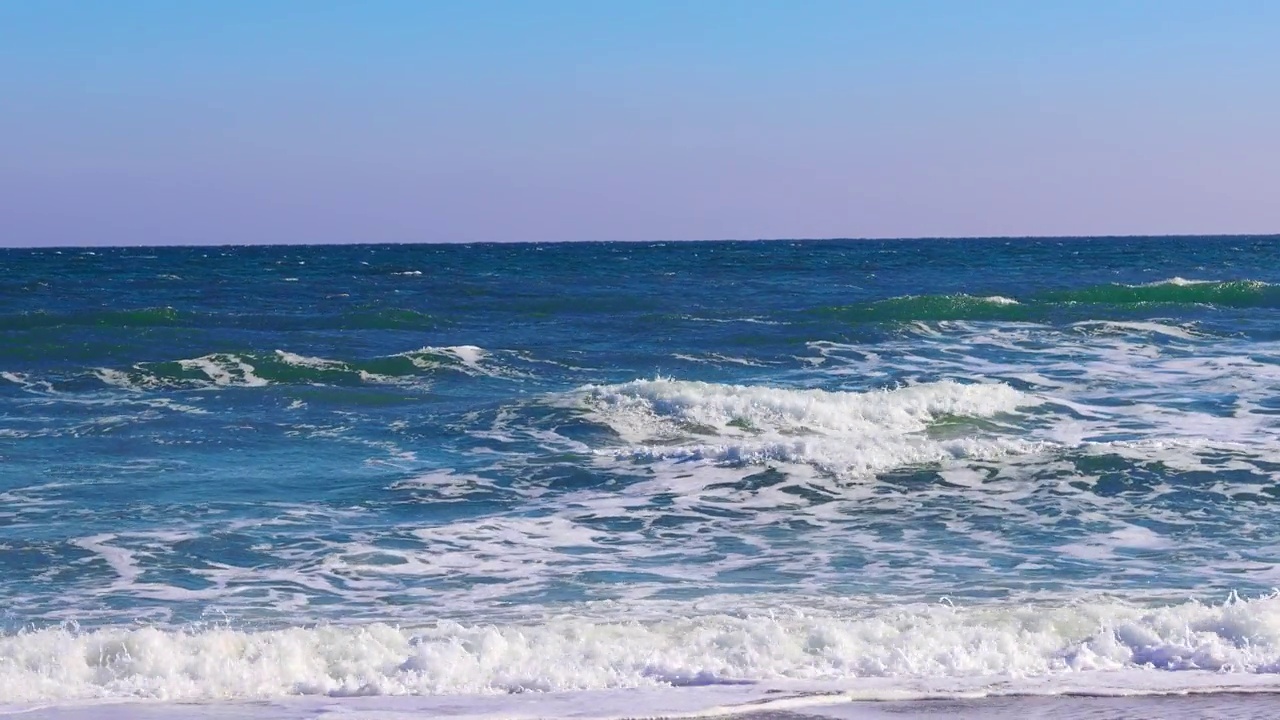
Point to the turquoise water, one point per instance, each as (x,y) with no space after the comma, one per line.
(236,473)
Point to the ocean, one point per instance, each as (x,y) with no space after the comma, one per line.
(605,480)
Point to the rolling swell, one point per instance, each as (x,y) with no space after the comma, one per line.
(1176,291)
(1038,306)
(284,368)
(938,307)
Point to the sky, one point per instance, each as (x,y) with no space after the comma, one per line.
(229,122)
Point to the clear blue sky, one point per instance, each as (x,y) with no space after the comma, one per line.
(131,122)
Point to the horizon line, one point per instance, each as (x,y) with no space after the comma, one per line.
(919,238)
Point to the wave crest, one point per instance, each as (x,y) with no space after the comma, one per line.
(849,433)
(283,368)
(933,644)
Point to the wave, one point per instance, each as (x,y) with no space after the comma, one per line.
(285,368)
(922,647)
(847,433)
(1229,293)
(942,307)
(1174,291)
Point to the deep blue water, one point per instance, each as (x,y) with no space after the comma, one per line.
(265,438)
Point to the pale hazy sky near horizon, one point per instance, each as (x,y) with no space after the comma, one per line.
(250,122)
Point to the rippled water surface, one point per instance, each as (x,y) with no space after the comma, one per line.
(880,467)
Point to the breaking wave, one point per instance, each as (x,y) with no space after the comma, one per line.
(284,368)
(934,645)
(848,433)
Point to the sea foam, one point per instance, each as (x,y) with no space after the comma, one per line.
(843,432)
(931,645)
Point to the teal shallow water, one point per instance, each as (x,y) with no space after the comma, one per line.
(461,469)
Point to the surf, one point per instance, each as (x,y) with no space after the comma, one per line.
(942,649)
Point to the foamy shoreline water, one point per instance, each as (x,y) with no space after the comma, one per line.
(1248,705)
(925,651)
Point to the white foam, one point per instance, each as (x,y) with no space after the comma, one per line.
(117,378)
(127,563)
(121,561)
(1177,281)
(444,483)
(316,363)
(468,356)
(843,432)
(916,647)
(470,359)
(26,383)
(1115,326)
(1113,378)
(225,370)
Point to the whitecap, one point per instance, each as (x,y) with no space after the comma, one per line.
(942,650)
(844,432)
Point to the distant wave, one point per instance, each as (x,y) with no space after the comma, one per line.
(1228,293)
(939,307)
(285,368)
(1173,291)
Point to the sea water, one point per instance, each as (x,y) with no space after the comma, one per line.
(634,479)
